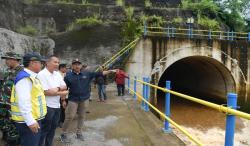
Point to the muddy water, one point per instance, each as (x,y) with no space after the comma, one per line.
(206,124)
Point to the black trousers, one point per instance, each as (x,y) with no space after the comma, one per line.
(120,89)
(62,115)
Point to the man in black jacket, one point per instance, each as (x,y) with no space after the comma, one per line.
(78,83)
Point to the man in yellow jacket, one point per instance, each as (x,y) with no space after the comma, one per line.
(28,105)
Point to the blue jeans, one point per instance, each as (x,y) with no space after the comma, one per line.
(49,123)
(28,138)
(102,91)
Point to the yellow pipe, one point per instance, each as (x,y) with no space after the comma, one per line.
(200,30)
(240,33)
(124,49)
(119,56)
(241,37)
(121,50)
(221,108)
(169,120)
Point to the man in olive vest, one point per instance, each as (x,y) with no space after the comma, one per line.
(28,104)
(10,134)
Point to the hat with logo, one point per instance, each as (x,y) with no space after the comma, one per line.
(11,55)
(76,61)
(32,56)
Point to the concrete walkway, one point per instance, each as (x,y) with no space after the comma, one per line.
(119,122)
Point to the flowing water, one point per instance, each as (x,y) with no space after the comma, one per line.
(206,124)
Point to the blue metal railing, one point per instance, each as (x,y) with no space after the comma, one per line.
(195,33)
(229,110)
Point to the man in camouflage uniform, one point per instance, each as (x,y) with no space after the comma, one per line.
(10,134)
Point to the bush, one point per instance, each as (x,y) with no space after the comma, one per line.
(131,28)
(91,21)
(85,22)
(204,7)
(235,21)
(148,3)
(28,30)
(154,21)
(177,20)
(120,3)
(208,23)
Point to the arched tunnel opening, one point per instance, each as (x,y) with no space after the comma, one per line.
(198,76)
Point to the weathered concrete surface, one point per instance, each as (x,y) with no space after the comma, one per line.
(207,69)
(119,122)
(90,44)
(12,41)
(11,14)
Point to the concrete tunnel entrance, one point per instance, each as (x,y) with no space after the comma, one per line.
(198,76)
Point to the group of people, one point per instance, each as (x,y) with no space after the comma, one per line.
(37,98)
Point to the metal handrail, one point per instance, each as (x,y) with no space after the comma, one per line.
(164,28)
(220,108)
(192,138)
(190,32)
(121,52)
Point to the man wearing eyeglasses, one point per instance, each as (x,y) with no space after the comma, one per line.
(28,104)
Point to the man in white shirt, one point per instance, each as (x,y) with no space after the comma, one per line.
(28,108)
(54,88)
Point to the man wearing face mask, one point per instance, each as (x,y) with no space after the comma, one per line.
(78,83)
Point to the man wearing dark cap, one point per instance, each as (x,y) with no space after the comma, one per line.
(78,83)
(28,104)
(12,60)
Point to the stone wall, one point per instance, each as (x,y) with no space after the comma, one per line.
(11,14)
(11,41)
(63,14)
(92,45)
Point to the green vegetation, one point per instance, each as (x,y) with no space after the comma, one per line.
(211,12)
(153,20)
(233,13)
(65,1)
(177,20)
(84,22)
(208,23)
(30,1)
(28,30)
(203,7)
(84,2)
(35,49)
(120,3)
(148,3)
(131,28)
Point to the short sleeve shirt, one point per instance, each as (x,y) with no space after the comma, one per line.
(51,80)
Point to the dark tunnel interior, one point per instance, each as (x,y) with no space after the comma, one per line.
(198,76)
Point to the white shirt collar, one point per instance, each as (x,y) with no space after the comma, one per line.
(48,72)
(32,74)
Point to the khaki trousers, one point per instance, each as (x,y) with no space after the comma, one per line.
(71,110)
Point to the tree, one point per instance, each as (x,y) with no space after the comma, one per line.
(234,13)
(233,6)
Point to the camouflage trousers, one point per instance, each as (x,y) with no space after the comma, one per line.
(10,134)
